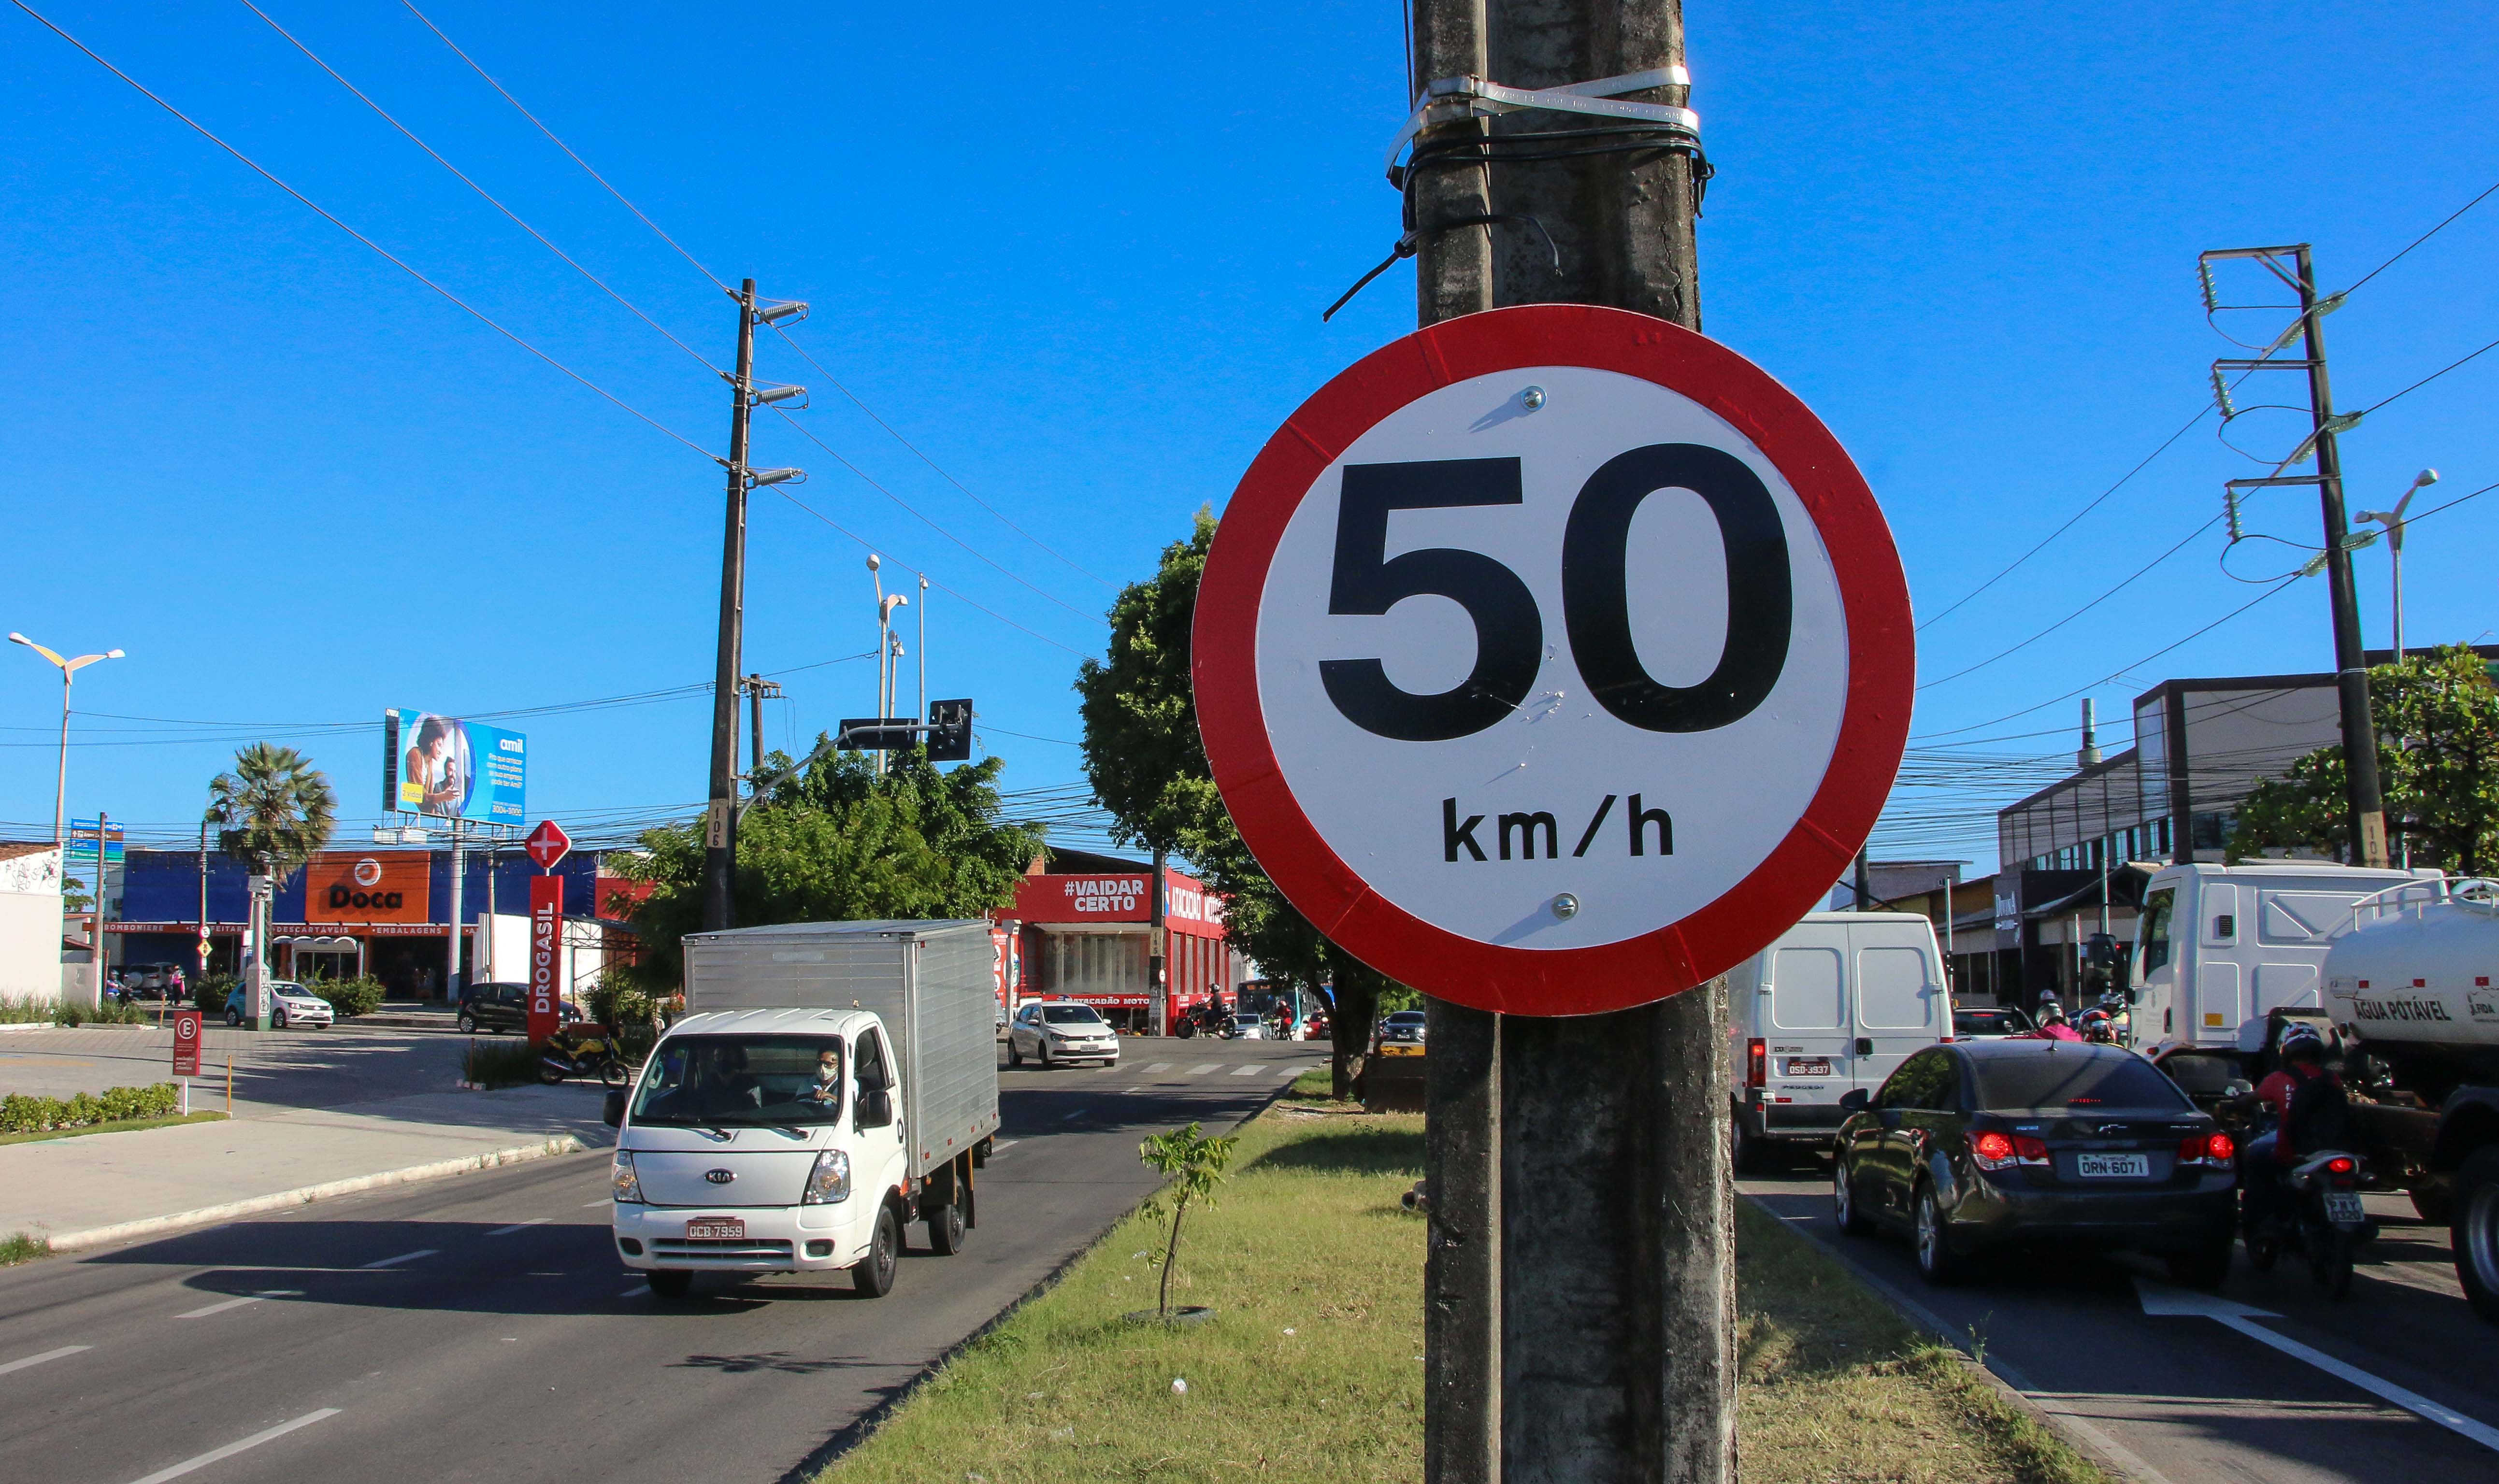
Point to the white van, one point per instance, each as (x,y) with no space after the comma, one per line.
(1836,1003)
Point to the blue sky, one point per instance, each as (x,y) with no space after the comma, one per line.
(1076,255)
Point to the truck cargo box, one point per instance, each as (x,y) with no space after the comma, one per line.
(931,982)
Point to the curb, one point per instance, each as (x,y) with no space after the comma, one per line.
(72,1241)
(24,1025)
(2009,1385)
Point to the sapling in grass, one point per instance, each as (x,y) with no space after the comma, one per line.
(1196,1164)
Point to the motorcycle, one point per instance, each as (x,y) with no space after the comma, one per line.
(1198,1019)
(2317,1213)
(584,1049)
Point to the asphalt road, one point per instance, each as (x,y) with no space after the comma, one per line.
(273,1072)
(482,1328)
(2189,1397)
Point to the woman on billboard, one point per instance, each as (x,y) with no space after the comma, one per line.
(436,765)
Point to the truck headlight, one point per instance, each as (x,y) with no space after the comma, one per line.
(830,1180)
(629,1189)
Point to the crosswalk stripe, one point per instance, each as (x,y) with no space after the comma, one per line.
(1293,1071)
(1160,1066)
(1211,1066)
(1251,1070)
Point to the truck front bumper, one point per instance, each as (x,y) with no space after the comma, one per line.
(804,1239)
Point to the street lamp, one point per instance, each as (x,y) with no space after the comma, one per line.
(2393,522)
(62,784)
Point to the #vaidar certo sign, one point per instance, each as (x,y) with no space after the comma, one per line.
(1553,659)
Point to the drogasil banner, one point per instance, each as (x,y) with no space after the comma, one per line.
(349,886)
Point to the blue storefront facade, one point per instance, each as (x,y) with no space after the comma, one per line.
(384,911)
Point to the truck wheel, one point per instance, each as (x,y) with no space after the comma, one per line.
(2475,1232)
(872,1276)
(1747,1152)
(946,1229)
(671,1282)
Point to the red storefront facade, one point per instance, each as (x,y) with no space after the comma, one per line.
(1082,935)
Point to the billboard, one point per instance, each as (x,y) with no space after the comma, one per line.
(349,886)
(451,769)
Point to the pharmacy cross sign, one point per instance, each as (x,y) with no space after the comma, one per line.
(1553,659)
(547,844)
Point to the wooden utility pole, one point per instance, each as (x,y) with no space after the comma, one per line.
(1578,1165)
(720,821)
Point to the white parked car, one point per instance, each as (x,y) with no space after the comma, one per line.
(290,1004)
(1245,1028)
(1053,1031)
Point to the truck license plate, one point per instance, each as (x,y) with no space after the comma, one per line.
(719,1229)
(2103,1167)
(2342,1208)
(1798,1066)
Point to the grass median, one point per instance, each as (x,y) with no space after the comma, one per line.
(112,1126)
(1311,1367)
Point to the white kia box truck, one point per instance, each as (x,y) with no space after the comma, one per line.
(830,1083)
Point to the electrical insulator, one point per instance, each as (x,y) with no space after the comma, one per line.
(2204,275)
(2221,396)
(2230,513)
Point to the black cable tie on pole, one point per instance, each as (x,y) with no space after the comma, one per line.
(1411,243)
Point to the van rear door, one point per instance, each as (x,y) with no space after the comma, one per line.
(1900,1000)
(1808,1034)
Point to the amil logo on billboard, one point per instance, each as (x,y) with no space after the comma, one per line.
(366,889)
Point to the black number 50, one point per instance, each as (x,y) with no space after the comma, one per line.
(1510,632)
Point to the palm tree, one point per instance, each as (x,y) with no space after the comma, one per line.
(274,811)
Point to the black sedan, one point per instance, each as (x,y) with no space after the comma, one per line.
(1976,1146)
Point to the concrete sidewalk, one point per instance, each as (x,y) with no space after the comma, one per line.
(83,1192)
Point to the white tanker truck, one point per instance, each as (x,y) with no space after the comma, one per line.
(2415,985)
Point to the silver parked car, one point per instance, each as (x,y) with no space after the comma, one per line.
(290,1004)
(1054,1031)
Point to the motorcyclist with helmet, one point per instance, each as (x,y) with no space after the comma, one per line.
(2267,1157)
(2052,1024)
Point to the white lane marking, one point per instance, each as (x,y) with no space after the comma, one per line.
(1132,1089)
(2160,1298)
(403,1257)
(1249,1068)
(1211,1066)
(217,1455)
(519,1226)
(640,1286)
(1071,1117)
(36,1360)
(249,1298)
(1002,1146)
(602,1201)
(1160,1066)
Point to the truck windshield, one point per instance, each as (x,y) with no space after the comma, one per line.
(2154,936)
(727,1081)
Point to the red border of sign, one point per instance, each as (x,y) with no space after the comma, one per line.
(1874,726)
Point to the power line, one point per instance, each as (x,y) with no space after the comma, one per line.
(377,248)
(2130,579)
(482,193)
(2094,503)
(809,434)
(2427,380)
(891,431)
(2486,192)
(717,279)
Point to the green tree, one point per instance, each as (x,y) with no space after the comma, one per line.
(1149,770)
(273,810)
(2438,767)
(830,841)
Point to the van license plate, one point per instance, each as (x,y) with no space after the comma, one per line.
(1797,1066)
(720,1230)
(2101,1167)
(2342,1208)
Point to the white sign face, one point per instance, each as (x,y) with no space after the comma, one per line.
(1552,658)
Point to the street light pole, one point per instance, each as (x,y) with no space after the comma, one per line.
(61,781)
(2394,523)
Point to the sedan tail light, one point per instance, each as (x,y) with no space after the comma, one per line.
(2214,1148)
(2002,1151)
(1757,1063)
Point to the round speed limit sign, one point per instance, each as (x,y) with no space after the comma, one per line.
(1553,659)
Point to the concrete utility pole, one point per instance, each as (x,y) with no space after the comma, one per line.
(1158,992)
(720,826)
(1579,1163)
(757,691)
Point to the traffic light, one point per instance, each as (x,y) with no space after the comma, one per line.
(950,730)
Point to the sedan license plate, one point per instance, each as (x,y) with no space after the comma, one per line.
(2113,1166)
(2342,1208)
(1797,1066)
(723,1229)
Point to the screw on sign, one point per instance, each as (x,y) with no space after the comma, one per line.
(1553,659)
